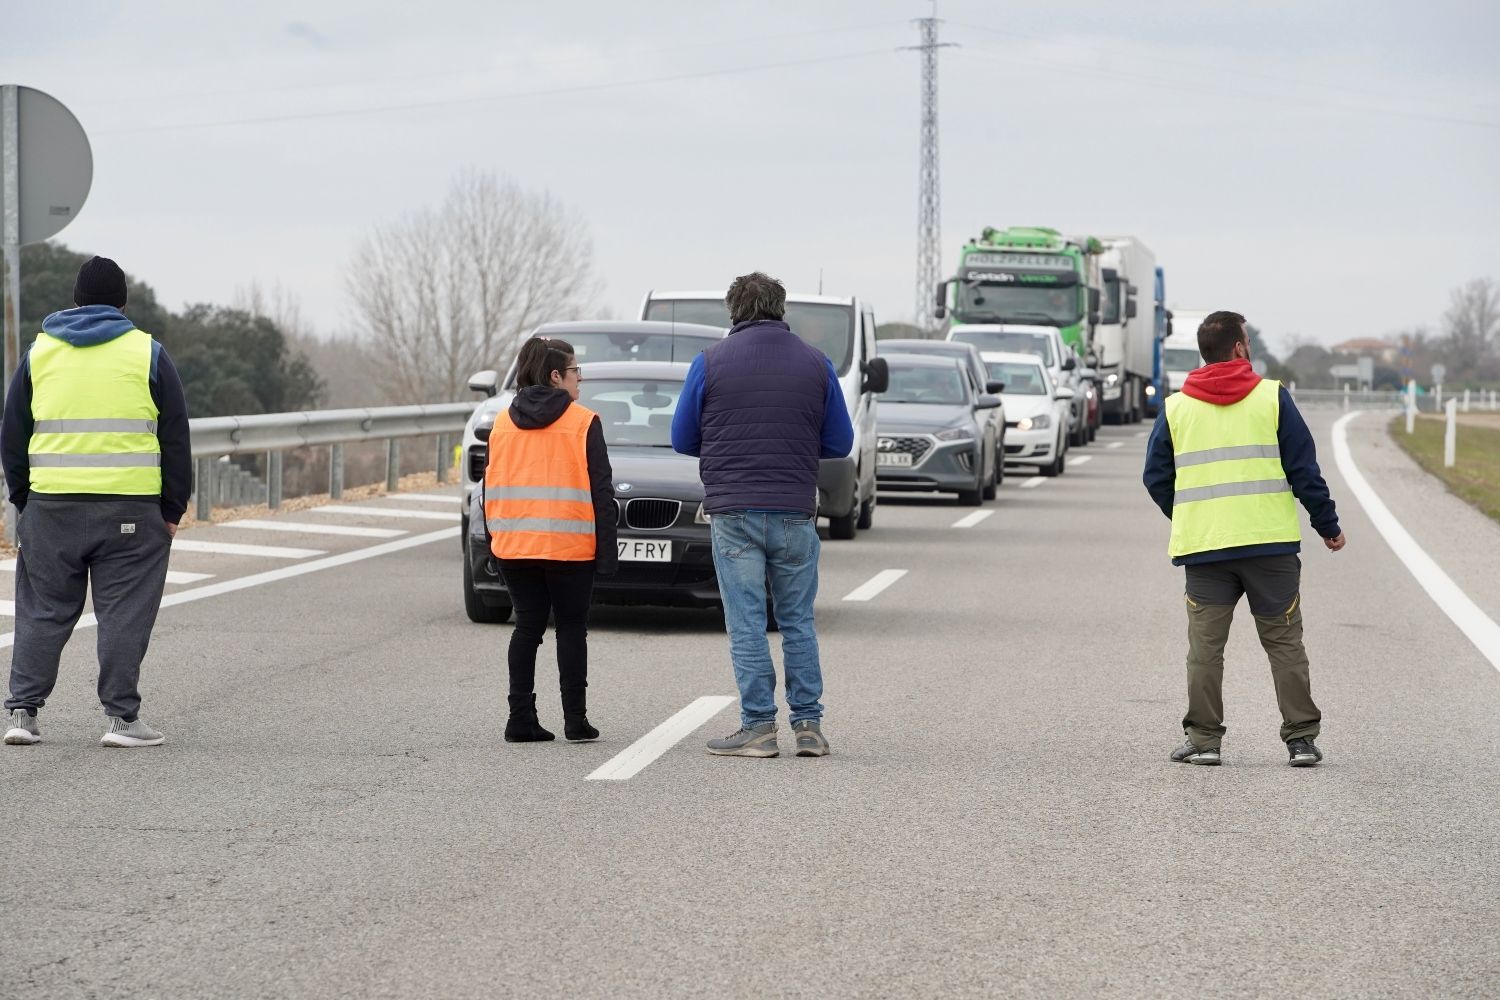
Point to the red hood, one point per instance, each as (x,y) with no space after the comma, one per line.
(1222,383)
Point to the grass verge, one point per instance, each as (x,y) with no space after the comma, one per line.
(1475,475)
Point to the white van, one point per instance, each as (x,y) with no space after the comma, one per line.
(843,329)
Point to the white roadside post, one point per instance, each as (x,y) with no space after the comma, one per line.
(1346,397)
(1466,400)
(1450,435)
(1437,398)
(1411,406)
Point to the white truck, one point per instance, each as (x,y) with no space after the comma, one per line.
(1180,354)
(843,329)
(1124,339)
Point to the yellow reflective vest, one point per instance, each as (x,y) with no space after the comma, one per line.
(1230,487)
(94,419)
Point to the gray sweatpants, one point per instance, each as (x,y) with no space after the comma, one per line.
(121,547)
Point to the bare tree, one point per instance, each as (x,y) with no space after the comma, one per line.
(446,292)
(1473,322)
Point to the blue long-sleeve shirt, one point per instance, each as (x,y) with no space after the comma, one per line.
(687,423)
(1299,460)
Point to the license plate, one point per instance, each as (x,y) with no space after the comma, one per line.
(892,458)
(645,550)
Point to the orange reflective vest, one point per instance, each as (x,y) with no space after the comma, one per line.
(537,501)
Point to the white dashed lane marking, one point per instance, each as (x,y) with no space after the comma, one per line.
(420,515)
(1081,460)
(1115,444)
(873,586)
(969,520)
(633,759)
(425,497)
(1033,482)
(236,549)
(315,529)
(173,576)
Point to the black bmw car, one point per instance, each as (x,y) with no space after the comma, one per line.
(666,555)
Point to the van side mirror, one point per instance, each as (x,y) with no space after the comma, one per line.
(1094,318)
(487,382)
(1069,363)
(994,386)
(877,375)
(1063,392)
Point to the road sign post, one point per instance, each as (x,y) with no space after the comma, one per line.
(1411,406)
(1450,435)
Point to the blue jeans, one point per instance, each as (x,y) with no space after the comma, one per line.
(753,548)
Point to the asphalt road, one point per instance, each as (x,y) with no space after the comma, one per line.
(335,814)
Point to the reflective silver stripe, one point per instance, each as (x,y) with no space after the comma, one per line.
(556,525)
(536,493)
(132,461)
(95,426)
(1226,454)
(1255,486)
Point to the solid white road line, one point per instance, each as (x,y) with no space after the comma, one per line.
(1033,482)
(1115,444)
(424,497)
(1450,599)
(633,759)
(1081,460)
(275,575)
(314,529)
(873,586)
(173,576)
(420,515)
(236,549)
(969,520)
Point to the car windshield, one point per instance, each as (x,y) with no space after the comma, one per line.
(995,303)
(1020,378)
(1181,359)
(828,327)
(942,386)
(631,346)
(634,413)
(1018,343)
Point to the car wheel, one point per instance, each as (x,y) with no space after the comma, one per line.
(1055,467)
(866,514)
(842,528)
(477,608)
(994,483)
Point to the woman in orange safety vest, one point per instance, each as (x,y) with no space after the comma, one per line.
(549,505)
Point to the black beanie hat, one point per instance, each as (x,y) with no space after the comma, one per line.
(100,283)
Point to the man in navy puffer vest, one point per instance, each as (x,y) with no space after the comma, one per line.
(759,409)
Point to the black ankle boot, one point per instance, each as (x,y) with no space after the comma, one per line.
(576,716)
(523,725)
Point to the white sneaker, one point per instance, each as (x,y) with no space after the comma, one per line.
(23,731)
(131,734)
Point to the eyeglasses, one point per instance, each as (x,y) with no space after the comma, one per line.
(573,368)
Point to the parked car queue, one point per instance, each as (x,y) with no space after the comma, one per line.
(949,420)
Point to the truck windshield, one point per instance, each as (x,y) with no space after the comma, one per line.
(984,302)
(942,386)
(633,413)
(1039,344)
(828,327)
(1181,359)
(1110,308)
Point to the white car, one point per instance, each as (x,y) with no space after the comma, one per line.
(1037,411)
(1046,343)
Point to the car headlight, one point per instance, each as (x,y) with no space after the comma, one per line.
(1150,390)
(701,517)
(1040,422)
(955,434)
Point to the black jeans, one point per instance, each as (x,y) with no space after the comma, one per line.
(563,589)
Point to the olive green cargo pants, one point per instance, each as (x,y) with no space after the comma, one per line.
(1273,585)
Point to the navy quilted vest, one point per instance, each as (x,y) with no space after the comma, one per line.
(763,400)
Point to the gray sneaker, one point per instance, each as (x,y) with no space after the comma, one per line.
(131,734)
(22,731)
(810,739)
(757,741)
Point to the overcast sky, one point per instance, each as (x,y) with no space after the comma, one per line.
(1331,169)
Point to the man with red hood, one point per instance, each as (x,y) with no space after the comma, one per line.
(1227,461)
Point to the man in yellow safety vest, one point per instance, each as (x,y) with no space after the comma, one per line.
(1227,461)
(98,463)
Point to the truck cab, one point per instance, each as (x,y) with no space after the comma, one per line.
(843,329)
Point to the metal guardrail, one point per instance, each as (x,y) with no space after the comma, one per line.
(1395,399)
(274,433)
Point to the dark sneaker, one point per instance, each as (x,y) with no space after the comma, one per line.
(1190,754)
(21,729)
(1303,753)
(757,741)
(131,734)
(810,739)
